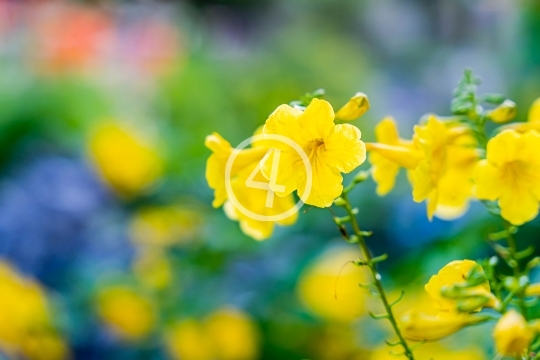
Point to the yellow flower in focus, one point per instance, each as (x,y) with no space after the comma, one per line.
(128,313)
(432,351)
(449,155)
(512,334)
(233,334)
(511,174)
(188,340)
(226,334)
(389,154)
(454,273)
(126,162)
(354,108)
(23,310)
(417,326)
(504,112)
(332,149)
(153,269)
(253,199)
(165,225)
(331,294)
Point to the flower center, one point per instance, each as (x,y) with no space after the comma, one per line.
(519,174)
(314,147)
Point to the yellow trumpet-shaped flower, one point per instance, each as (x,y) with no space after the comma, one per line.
(331,149)
(354,108)
(454,273)
(444,177)
(233,334)
(127,312)
(504,112)
(125,161)
(417,326)
(389,154)
(511,175)
(253,199)
(512,334)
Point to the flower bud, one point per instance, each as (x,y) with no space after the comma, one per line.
(512,334)
(356,107)
(417,326)
(504,112)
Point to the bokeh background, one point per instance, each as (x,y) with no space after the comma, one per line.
(110,247)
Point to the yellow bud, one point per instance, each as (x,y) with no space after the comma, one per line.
(504,112)
(512,334)
(418,326)
(356,107)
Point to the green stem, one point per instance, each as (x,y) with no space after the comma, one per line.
(407,351)
(514,264)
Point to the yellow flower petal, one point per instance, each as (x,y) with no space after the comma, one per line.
(317,121)
(518,206)
(384,173)
(406,157)
(326,184)
(286,174)
(512,334)
(344,149)
(386,132)
(284,121)
(488,181)
(354,108)
(503,147)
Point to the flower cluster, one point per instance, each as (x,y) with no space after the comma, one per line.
(450,161)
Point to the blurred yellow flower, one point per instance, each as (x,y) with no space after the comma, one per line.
(512,334)
(455,273)
(332,149)
(448,155)
(125,161)
(417,326)
(511,175)
(432,351)
(128,313)
(153,269)
(226,334)
(354,108)
(165,225)
(26,318)
(388,154)
(253,199)
(533,120)
(330,288)
(233,334)
(188,340)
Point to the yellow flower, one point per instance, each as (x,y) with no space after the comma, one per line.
(165,225)
(233,334)
(226,334)
(504,112)
(389,154)
(430,351)
(332,149)
(354,108)
(187,340)
(454,273)
(512,334)
(130,314)
(417,326)
(253,199)
(533,121)
(448,156)
(129,164)
(511,175)
(330,287)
